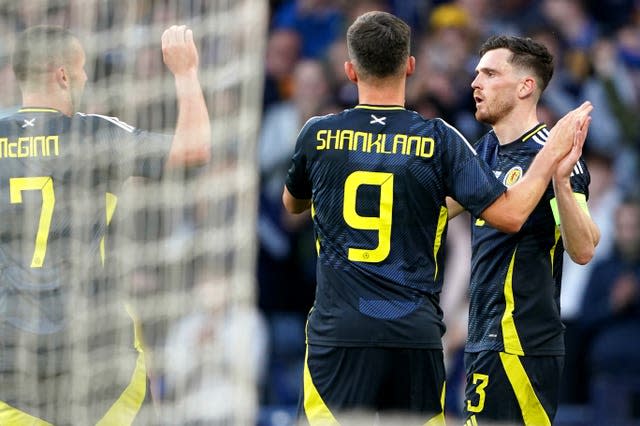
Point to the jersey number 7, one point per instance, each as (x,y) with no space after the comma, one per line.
(44,184)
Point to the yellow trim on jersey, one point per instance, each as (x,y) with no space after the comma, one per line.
(534,131)
(110,201)
(313,214)
(314,407)
(442,222)
(582,203)
(558,235)
(127,406)
(439,419)
(380,107)
(38,110)
(509,332)
(11,416)
(533,412)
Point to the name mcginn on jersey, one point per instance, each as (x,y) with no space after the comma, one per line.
(29,146)
(379,143)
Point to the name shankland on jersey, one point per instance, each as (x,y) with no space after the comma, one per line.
(377,143)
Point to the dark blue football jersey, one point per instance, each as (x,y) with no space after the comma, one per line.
(378,178)
(515,278)
(58,176)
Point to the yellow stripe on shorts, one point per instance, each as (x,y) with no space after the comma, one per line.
(533,412)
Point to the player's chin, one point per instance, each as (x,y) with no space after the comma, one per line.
(483,117)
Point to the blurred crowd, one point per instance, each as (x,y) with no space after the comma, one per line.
(596,45)
(596,48)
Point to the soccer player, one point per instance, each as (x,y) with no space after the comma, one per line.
(515,348)
(59,169)
(376,179)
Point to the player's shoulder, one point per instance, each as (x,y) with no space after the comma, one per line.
(447,133)
(327,120)
(29,120)
(98,121)
(535,138)
(7,121)
(442,126)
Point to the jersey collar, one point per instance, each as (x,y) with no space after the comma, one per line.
(380,107)
(38,109)
(533,131)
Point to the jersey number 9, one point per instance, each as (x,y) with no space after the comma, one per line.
(381,223)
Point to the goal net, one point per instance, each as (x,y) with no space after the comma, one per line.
(178,251)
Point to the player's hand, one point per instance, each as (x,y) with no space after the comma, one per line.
(563,135)
(179,51)
(566,165)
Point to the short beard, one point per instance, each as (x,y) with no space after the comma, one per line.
(493,116)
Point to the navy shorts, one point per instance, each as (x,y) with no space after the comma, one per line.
(514,389)
(344,381)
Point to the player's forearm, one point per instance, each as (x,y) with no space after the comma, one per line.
(580,235)
(192,139)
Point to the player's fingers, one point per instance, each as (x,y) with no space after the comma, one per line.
(165,37)
(180,34)
(581,134)
(169,36)
(584,119)
(188,36)
(585,108)
(585,127)
(174,34)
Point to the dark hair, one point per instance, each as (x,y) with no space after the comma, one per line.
(378,44)
(526,53)
(40,48)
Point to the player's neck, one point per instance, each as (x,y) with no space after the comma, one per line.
(387,93)
(511,127)
(33,99)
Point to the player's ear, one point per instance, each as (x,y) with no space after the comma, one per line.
(61,77)
(350,71)
(527,87)
(411,65)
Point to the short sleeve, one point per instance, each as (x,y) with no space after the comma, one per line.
(475,187)
(298,182)
(132,151)
(151,151)
(469,180)
(580,178)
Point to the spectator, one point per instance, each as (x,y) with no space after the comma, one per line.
(283,49)
(200,353)
(319,23)
(604,198)
(579,32)
(611,317)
